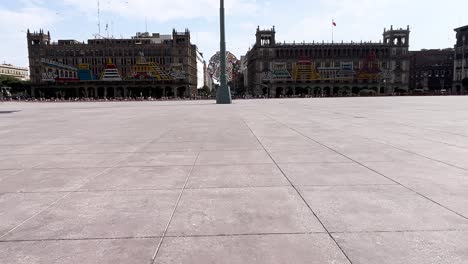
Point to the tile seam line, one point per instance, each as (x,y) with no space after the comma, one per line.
(300,195)
(417,154)
(404,125)
(53,203)
(390,145)
(400,231)
(12,174)
(131,152)
(389,178)
(193,188)
(161,240)
(105,170)
(156,237)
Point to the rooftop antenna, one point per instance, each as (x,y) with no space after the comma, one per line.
(99,16)
(112,28)
(146,24)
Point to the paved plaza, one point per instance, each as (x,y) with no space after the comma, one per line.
(303,181)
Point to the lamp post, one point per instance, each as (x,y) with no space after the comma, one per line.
(223,95)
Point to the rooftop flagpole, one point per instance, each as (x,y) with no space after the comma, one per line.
(333,30)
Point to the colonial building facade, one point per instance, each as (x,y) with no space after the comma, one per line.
(431,71)
(142,66)
(460,61)
(277,69)
(19,73)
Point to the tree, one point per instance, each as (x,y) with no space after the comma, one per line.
(17,86)
(205,91)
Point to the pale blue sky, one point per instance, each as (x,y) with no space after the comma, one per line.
(431,21)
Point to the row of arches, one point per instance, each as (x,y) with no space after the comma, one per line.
(111,92)
(323,91)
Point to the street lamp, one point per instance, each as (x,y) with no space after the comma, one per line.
(223,95)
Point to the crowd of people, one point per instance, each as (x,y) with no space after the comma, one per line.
(90,99)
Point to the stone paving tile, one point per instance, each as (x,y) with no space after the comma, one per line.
(384,208)
(173,146)
(87,139)
(376,154)
(444,184)
(102,215)
(242,211)
(434,150)
(168,135)
(107,148)
(233,157)
(48,180)
(227,138)
(12,162)
(78,160)
(255,249)
(78,251)
(76,148)
(251,175)
(315,155)
(332,174)
(128,178)
(182,158)
(17,208)
(7,173)
(273,131)
(250,144)
(292,142)
(406,247)
(11,149)
(183,136)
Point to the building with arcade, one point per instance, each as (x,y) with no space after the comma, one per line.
(146,65)
(278,69)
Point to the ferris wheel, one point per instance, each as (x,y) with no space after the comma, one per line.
(214,66)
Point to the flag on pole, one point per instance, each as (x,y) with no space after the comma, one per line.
(333,23)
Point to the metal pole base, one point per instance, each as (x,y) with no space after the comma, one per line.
(223,95)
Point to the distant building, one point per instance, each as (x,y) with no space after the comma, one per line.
(431,70)
(155,38)
(328,69)
(201,71)
(20,73)
(208,78)
(460,61)
(146,65)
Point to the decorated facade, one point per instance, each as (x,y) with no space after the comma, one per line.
(328,69)
(141,63)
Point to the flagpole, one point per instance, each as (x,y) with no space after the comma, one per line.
(333,30)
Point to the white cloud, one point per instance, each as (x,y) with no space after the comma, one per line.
(14,27)
(164,10)
(296,20)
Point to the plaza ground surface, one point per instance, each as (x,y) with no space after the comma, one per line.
(345,180)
